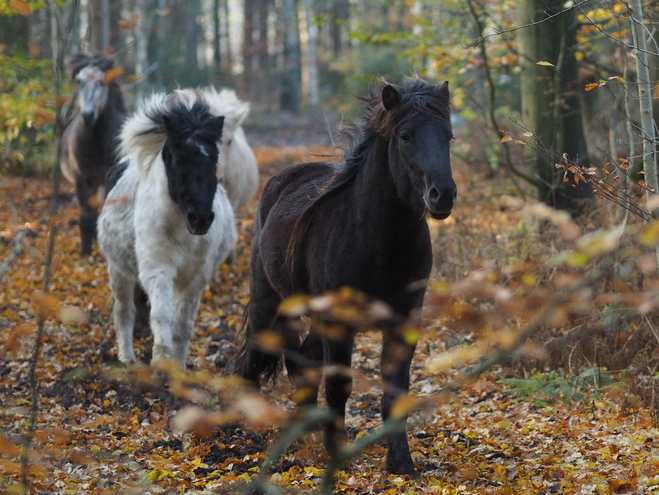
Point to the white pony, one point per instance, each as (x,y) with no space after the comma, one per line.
(166,223)
(237,170)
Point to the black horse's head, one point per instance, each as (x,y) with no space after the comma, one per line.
(190,155)
(416,119)
(93,77)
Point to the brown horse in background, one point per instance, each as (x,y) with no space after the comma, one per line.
(88,142)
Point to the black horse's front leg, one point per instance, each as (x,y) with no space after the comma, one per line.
(395,369)
(338,387)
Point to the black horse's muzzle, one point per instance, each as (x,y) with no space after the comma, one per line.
(199,224)
(440,201)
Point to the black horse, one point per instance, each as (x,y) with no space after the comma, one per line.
(87,145)
(321,226)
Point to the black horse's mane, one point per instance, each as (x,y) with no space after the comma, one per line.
(418,98)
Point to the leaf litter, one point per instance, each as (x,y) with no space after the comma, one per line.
(99,432)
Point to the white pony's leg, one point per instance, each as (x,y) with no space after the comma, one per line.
(188,308)
(161,295)
(123,313)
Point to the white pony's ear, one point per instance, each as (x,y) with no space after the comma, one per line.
(227,104)
(234,119)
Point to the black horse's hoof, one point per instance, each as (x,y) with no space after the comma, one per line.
(402,467)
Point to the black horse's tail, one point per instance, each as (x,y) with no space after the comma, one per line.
(252,361)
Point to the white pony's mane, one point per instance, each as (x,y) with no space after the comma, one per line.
(226,103)
(143,138)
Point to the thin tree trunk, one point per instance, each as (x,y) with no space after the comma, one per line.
(290,94)
(191,59)
(217,49)
(648,130)
(547,107)
(312,61)
(141,46)
(228,56)
(340,16)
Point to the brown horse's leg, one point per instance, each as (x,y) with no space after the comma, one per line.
(395,370)
(86,193)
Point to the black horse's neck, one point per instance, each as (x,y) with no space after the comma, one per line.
(375,190)
(108,124)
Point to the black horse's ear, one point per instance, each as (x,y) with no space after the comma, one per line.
(443,92)
(166,123)
(219,123)
(390,97)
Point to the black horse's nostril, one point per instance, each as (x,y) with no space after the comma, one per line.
(192,219)
(434,195)
(442,198)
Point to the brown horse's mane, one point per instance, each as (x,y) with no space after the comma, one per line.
(418,98)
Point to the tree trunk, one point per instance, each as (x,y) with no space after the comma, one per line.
(141,46)
(290,92)
(217,46)
(312,50)
(644,83)
(99,25)
(191,60)
(550,103)
(340,16)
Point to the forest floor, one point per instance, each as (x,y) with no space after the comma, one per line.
(103,429)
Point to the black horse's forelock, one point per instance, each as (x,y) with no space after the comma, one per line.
(418,98)
(196,122)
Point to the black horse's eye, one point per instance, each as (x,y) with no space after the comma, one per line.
(405,137)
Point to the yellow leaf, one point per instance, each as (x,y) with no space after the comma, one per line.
(505,139)
(20,7)
(403,405)
(591,86)
(649,236)
(545,64)
(295,305)
(112,74)
(411,335)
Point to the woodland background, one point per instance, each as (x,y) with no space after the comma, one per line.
(537,364)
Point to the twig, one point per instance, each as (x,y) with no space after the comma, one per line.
(534,23)
(38,344)
(16,251)
(300,426)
